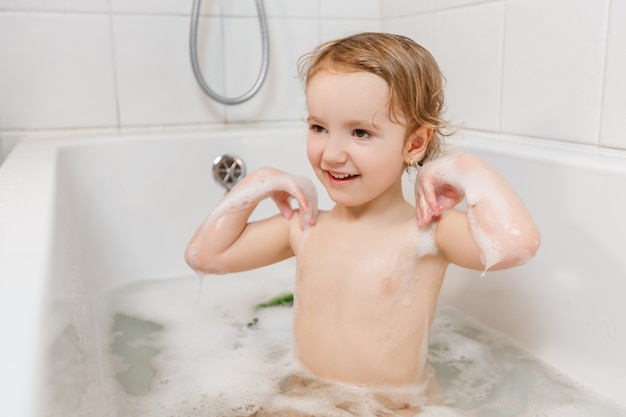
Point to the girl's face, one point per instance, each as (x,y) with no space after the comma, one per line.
(355,149)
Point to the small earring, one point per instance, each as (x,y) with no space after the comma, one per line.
(412,171)
(409,165)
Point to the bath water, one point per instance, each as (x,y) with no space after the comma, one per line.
(167,352)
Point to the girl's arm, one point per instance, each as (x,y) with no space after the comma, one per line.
(227,242)
(497,231)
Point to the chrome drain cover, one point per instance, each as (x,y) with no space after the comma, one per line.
(228,170)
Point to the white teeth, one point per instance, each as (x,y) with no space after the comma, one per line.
(340,176)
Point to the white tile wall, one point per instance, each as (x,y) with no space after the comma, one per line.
(291,8)
(57,71)
(448,4)
(119,63)
(155,81)
(56,5)
(468,47)
(281,97)
(419,27)
(339,28)
(351,9)
(614,110)
(404,8)
(160,6)
(243,7)
(273,8)
(554,68)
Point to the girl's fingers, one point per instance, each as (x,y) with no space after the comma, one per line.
(424,214)
(426,202)
(306,196)
(285,209)
(307,215)
(293,191)
(432,200)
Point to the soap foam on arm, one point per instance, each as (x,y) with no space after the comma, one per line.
(228,222)
(499,222)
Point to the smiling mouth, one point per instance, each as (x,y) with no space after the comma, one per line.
(340,177)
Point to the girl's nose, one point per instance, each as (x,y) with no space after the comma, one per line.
(334,151)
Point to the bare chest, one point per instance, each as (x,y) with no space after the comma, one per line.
(362,264)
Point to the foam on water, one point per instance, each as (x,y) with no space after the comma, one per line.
(212,355)
(173,354)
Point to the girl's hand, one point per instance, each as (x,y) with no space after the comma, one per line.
(437,189)
(496,224)
(228,242)
(281,187)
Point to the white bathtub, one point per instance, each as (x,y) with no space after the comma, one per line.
(81,215)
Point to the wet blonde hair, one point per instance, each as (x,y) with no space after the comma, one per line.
(412,74)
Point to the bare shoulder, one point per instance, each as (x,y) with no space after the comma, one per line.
(296,232)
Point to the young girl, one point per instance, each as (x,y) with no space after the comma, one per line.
(369,270)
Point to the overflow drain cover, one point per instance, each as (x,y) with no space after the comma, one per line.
(228,170)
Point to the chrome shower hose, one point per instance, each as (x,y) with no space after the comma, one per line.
(193,47)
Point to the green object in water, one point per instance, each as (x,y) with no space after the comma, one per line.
(277,301)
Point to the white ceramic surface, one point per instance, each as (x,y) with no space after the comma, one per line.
(80,215)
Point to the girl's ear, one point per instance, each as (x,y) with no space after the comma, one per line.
(417,144)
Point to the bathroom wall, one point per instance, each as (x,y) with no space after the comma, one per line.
(109,65)
(535,69)
(529,69)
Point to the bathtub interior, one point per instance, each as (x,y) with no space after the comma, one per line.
(124,208)
(131,206)
(566,305)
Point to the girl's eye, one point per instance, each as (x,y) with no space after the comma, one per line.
(360,133)
(317,129)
